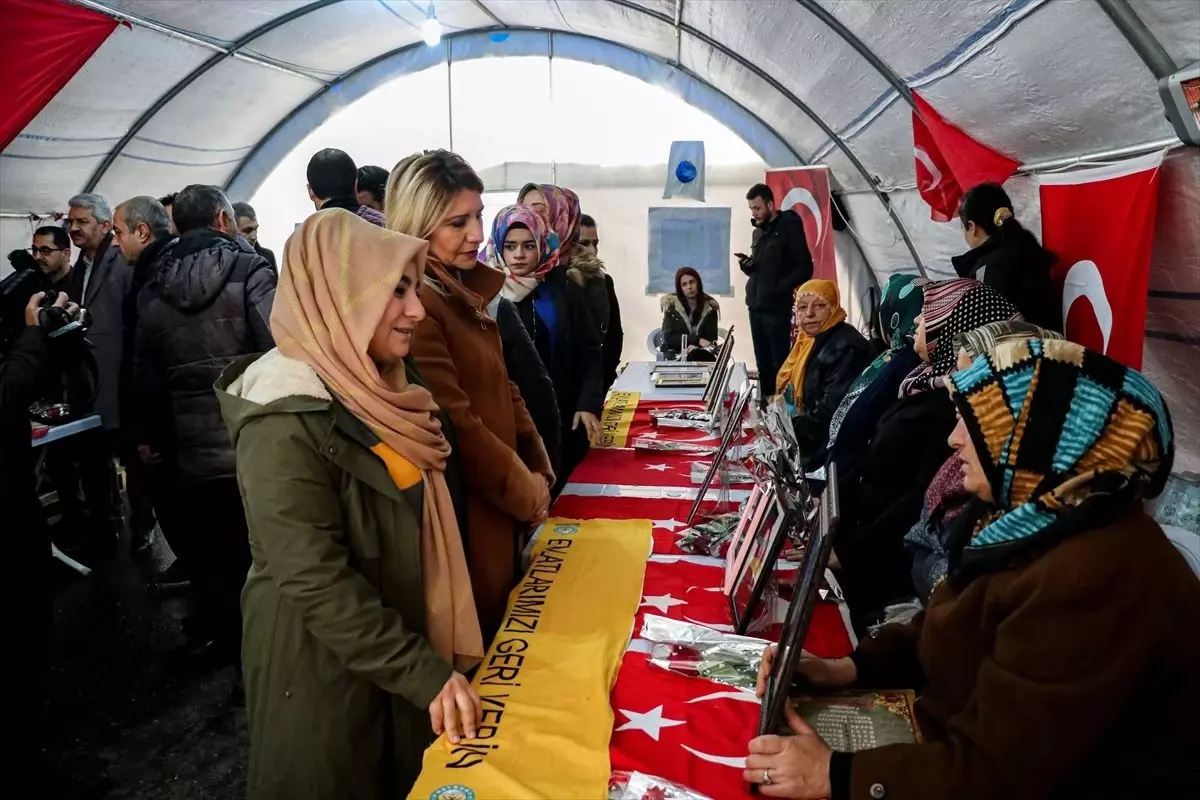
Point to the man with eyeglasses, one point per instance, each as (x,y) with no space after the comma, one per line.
(52,251)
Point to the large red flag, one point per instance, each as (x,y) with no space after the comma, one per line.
(805,190)
(1100,224)
(45,44)
(949,162)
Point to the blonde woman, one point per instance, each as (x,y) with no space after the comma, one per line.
(358,616)
(436,196)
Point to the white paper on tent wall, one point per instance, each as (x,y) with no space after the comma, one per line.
(685,171)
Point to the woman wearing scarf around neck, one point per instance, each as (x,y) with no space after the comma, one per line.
(359,617)
(557,316)
(826,358)
(521,247)
(876,388)
(1056,658)
(883,495)
(947,496)
(438,197)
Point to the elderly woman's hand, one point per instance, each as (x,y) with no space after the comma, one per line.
(823,673)
(794,767)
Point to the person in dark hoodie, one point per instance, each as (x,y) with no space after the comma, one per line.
(1007,257)
(333,183)
(779,262)
(207,303)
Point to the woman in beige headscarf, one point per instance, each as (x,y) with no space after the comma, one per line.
(359,617)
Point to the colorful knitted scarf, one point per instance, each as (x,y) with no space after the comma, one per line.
(1060,431)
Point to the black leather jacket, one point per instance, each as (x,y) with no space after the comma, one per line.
(839,355)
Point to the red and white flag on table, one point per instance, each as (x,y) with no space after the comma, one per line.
(805,190)
(1100,224)
(949,162)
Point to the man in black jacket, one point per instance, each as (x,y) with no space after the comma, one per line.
(614,334)
(778,264)
(247,225)
(207,303)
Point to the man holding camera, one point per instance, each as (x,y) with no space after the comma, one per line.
(27,543)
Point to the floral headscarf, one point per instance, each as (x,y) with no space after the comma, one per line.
(952,307)
(546,241)
(1059,430)
(562,207)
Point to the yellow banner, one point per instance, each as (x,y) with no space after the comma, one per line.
(546,680)
(616,419)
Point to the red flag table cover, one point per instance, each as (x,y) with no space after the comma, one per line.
(667,514)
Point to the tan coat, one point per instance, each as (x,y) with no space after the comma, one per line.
(1067,676)
(458,352)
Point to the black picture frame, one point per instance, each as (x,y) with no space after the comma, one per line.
(732,424)
(767,545)
(720,376)
(799,615)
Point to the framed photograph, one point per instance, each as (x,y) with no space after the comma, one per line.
(715,391)
(799,615)
(765,544)
(739,545)
(732,425)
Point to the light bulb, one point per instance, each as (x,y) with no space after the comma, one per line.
(431,29)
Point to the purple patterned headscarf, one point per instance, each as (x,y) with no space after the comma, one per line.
(547,242)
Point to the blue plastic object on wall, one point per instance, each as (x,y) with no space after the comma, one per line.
(685,172)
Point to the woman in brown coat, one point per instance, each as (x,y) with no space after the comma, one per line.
(438,197)
(1056,658)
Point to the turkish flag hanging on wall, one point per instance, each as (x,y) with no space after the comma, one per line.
(46,42)
(949,162)
(1100,224)
(805,190)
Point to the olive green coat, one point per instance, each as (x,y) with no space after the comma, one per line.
(338,673)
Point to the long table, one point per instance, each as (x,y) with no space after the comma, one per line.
(685,729)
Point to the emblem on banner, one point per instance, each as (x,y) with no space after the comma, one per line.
(455,792)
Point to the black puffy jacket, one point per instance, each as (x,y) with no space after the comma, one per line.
(207,302)
(839,355)
(1020,271)
(526,370)
(676,324)
(779,262)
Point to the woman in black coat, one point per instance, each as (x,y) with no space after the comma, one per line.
(883,495)
(1007,257)
(826,358)
(689,319)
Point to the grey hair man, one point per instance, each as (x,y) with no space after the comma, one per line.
(206,303)
(139,222)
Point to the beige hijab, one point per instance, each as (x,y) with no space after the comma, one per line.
(339,273)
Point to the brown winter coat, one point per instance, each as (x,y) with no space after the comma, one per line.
(1067,676)
(458,351)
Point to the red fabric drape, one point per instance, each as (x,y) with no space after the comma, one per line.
(45,42)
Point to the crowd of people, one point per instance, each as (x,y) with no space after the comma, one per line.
(348,447)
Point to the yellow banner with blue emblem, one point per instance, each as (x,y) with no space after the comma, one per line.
(546,679)
(616,419)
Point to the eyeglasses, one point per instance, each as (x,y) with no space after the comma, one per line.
(47,251)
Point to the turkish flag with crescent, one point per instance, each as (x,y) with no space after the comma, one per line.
(1100,224)
(805,190)
(949,162)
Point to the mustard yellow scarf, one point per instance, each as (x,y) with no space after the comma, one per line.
(792,370)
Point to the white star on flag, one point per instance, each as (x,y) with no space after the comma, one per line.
(669,524)
(662,602)
(650,723)
(657,467)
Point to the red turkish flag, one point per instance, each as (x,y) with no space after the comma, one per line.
(689,730)
(640,468)
(949,162)
(805,190)
(683,589)
(1100,224)
(667,514)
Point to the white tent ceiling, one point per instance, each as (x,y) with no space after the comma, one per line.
(194,91)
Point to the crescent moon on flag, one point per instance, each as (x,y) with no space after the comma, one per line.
(725,761)
(742,697)
(1084,280)
(800,196)
(934,173)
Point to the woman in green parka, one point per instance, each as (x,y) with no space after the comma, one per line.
(358,614)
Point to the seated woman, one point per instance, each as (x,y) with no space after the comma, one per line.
(947,497)
(436,196)
(899,307)
(1007,257)
(882,496)
(689,319)
(826,358)
(1048,660)
(521,244)
(358,614)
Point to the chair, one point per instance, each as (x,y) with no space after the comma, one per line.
(654,343)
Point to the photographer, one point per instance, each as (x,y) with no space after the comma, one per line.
(26,539)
